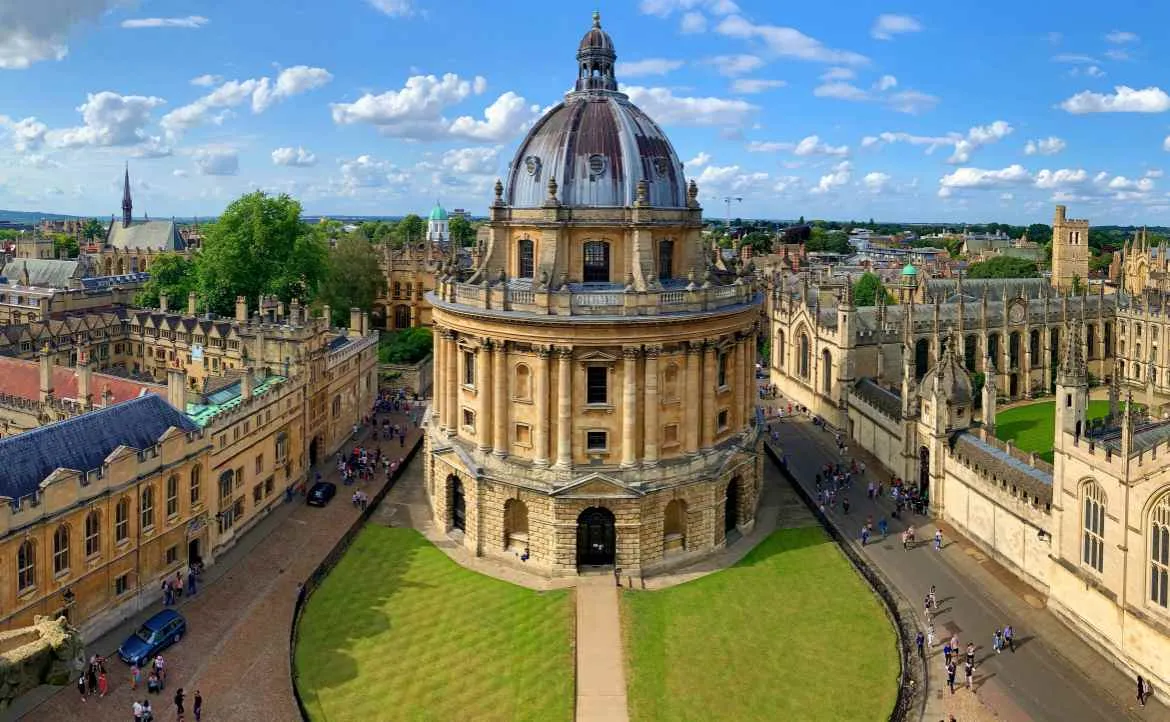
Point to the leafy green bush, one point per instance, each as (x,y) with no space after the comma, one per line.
(405,347)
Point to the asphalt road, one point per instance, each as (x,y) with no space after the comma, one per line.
(1032,683)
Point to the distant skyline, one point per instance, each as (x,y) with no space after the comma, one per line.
(921,112)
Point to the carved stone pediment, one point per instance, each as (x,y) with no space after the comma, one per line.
(597,486)
(597,357)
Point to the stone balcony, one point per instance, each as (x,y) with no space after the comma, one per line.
(596,299)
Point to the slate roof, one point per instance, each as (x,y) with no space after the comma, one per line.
(1032,481)
(43,272)
(22,379)
(155,235)
(1146,435)
(879,397)
(1015,287)
(82,443)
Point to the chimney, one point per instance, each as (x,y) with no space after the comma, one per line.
(84,379)
(246,384)
(241,309)
(294,312)
(191,311)
(177,389)
(365,323)
(46,374)
(355,321)
(163,302)
(280,311)
(327,314)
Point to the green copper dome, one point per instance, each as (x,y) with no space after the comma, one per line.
(909,270)
(438,213)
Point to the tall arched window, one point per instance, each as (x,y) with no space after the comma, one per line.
(122,520)
(93,532)
(61,549)
(827,371)
(515,525)
(779,352)
(665,259)
(595,262)
(525,258)
(147,507)
(523,383)
(196,483)
(402,317)
(804,355)
(26,566)
(172,495)
(1093,531)
(1091,341)
(670,383)
(1160,552)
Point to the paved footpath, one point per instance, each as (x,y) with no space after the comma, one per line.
(1053,675)
(601,678)
(236,647)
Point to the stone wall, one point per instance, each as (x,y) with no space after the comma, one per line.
(413,378)
(48,652)
(878,434)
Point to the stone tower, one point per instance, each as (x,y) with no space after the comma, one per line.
(1070,250)
(1072,386)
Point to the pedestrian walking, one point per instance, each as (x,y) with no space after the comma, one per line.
(81,686)
(969,671)
(883,527)
(197,705)
(938,540)
(135,676)
(1141,688)
(160,668)
(947,652)
(845,504)
(951,669)
(179,701)
(103,684)
(997,641)
(919,641)
(933,598)
(1009,638)
(971,653)
(1146,691)
(137,708)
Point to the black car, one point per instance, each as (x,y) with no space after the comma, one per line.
(321,493)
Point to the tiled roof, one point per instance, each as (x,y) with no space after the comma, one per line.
(43,272)
(23,379)
(1032,481)
(146,235)
(82,443)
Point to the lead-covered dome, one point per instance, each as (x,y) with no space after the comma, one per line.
(596,144)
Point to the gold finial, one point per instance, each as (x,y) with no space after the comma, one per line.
(596,18)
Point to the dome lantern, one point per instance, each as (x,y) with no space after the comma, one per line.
(595,59)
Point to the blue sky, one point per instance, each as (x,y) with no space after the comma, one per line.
(916,111)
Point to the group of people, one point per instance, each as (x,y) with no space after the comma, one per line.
(360,500)
(93,679)
(143,712)
(172,587)
(953,653)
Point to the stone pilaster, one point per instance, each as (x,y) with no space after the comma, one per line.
(540,452)
(650,430)
(708,385)
(564,408)
(500,400)
(483,394)
(453,382)
(691,398)
(439,362)
(738,415)
(630,406)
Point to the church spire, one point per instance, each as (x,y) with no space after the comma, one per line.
(127,204)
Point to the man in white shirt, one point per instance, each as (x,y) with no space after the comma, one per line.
(137,710)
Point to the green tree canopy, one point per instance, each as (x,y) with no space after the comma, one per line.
(411,229)
(760,241)
(405,347)
(867,288)
(171,274)
(354,277)
(462,232)
(827,241)
(65,246)
(1003,267)
(259,246)
(93,230)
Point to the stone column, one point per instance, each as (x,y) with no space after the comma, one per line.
(453,382)
(750,397)
(483,394)
(690,398)
(708,416)
(738,415)
(540,452)
(438,361)
(650,430)
(630,406)
(564,408)
(500,400)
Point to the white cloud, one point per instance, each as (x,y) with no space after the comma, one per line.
(296,157)
(192,22)
(812,145)
(1117,54)
(912,102)
(751,86)
(262,93)
(692,22)
(472,161)
(768,146)
(841,91)
(979,178)
(1045,146)
(885,83)
(179,173)
(31,32)
(978,137)
(1061,178)
(1074,59)
(838,74)
(109,120)
(1091,71)
(393,8)
(365,171)
(1121,37)
(415,111)
(1124,99)
(729,179)
(664,8)
(1007,196)
(903,101)
(887,26)
(1121,183)
(665,107)
(736,64)
(648,66)
(842,173)
(206,81)
(875,182)
(1154,173)
(508,116)
(698,161)
(788,42)
(217,161)
(27,134)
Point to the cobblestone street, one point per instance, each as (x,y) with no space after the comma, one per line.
(236,648)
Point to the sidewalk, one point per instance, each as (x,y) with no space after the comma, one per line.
(601,677)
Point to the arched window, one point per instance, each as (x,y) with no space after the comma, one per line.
(670,383)
(993,350)
(1160,552)
(970,351)
(921,357)
(674,527)
(147,507)
(804,355)
(226,485)
(1014,350)
(1034,347)
(172,495)
(595,262)
(515,525)
(93,534)
(61,549)
(779,352)
(827,371)
(665,259)
(1091,341)
(26,566)
(402,317)
(1093,531)
(525,258)
(1108,339)
(337,406)
(122,520)
(196,483)
(722,361)
(522,388)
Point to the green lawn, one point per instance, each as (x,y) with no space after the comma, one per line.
(1033,427)
(399,631)
(791,632)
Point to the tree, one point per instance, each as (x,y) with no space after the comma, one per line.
(760,241)
(1003,267)
(405,347)
(171,274)
(462,232)
(65,246)
(410,229)
(1078,285)
(259,246)
(825,241)
(354,277)
(867,288)
(93,230)
(1040,233)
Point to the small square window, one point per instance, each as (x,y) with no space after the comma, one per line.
(670,435)
(523,435)
(596,440)
(172,554)
(121,584)
(469,419)
(722,420)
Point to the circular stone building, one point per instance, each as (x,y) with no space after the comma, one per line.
(594,375)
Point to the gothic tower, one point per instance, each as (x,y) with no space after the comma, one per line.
(1070,250)
(1072,386)
(127,204)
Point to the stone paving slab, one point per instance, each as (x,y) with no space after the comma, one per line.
(601,678)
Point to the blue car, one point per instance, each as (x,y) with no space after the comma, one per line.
(156,634)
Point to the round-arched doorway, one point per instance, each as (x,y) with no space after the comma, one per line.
(596,538)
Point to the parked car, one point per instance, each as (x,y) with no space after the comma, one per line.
(156,634)
(321,493)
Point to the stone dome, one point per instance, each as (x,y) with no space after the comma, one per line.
(596,145)
(948,377)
